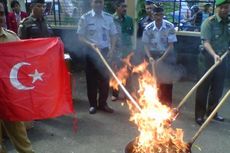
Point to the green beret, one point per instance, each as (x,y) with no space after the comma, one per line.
(221,2)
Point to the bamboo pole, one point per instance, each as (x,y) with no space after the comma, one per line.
(210,117)
(118,81)
(200,81)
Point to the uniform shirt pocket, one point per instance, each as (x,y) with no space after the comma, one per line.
(217,33)
(91,29)
(35,32)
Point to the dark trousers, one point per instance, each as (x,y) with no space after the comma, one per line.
(165,94)
(97,78)
(210,91)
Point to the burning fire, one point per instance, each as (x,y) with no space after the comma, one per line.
(156,133)
(123,73)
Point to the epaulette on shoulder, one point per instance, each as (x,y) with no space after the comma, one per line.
(23,20)
(142,18)
(87,13)
(11,32)
(211,18)
(108,14)
(150,26)
(168,24)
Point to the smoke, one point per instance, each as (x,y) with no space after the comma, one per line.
(169,73)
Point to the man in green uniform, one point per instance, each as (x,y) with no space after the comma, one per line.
(15,130)
(124,24)
(35,26)
(124,46)
(215,35)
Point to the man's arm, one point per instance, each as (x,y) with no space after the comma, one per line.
(206,36)
(211,51)
(146,48)
(87,42)
(168,50)
(22,32)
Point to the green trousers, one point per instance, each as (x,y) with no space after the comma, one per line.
(16,132)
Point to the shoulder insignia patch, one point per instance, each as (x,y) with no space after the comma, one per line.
(150,26)
(23,20)
(11,32)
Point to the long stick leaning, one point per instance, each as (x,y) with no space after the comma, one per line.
(210,117)
(118,81)
(200,81)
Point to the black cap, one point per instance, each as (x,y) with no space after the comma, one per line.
(148,2)
(38,1)
(158,8)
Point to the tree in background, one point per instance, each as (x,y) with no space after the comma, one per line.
(109,6)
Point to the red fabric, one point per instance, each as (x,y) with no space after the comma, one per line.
(50,97)
(11,21)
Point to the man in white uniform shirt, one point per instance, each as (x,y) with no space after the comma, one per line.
(97,29)
(158,38)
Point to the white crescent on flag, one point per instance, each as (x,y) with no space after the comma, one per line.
(14,77)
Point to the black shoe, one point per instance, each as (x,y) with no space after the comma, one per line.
(199,121)
(92,110)
(218,118)
(106,109)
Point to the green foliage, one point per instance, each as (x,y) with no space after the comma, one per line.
(140,9)
(168,7)
(109,7)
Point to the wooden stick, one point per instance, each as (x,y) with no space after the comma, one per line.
(200,81)
(153,65)
(210,117)
(116,78)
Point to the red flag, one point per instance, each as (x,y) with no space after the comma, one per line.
(34,81)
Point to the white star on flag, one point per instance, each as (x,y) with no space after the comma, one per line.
(36,76)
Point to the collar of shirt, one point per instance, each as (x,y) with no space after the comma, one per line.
(219,19)
(94,14)
(118,18)
(17,14)
(36,19)
(148,18)
(163,26)
(2,32)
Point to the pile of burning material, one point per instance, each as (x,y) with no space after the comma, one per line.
(154,119)
(156,133)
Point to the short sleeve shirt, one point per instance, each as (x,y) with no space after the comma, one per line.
(97,28)
(7,36)
(159,39)
(217,32)
(31,27)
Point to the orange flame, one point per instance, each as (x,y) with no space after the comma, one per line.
(156,133)
(123,73)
